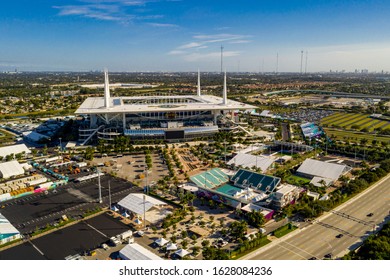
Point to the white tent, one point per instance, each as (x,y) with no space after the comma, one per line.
(14,149)
(182,252)
(114,208)
(138,221)
(10,168)
(161,241)
(171,247)
(137,252)
(124,214)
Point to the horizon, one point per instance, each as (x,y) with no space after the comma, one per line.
(180,36)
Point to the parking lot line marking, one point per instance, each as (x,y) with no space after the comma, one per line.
(36,248)
(96,230)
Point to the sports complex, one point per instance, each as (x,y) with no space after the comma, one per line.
(244,190)
(168,118)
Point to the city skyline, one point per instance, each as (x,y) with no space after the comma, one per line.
(174,35)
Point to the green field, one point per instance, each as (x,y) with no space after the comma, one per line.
(353,136)
(354,121)
(297,180)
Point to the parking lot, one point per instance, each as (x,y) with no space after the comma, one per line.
(76,239)
(38,210)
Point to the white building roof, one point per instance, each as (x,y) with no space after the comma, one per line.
(14,149)
(137,252)
(285,189)
(135,203)
(248,161)
(11,168)
(316,181)
(253,207)
(6,227)
(322,169)
(95,105)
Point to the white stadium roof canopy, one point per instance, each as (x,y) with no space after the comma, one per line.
(95,105)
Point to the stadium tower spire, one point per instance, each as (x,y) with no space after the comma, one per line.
(224,92)
(198,90)
(106,89)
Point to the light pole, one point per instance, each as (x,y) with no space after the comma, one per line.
(109,194)
(100,187)
(60,148)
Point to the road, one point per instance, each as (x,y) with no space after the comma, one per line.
(319,239)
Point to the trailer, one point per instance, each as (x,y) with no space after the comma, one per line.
(81,164)
(125,235)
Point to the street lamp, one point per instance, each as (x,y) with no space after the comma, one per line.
(60,148)
(100,187)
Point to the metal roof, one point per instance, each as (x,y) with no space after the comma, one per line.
(248,161)
(137,252)
(318,168)
(14,149)
(11,168)
(135,203)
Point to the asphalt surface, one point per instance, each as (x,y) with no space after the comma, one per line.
(38,210)
(319,239)
(24,251)
(76,239)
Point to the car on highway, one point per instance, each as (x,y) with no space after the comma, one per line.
(339,235)
(370,214)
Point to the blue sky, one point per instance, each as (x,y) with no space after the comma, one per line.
(174,35)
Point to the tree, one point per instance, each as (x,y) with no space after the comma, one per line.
(211,253)
(256,219)
(238,229)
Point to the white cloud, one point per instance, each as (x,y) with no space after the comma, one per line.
(194,51)
(240,42)
(123,11)
(190,45)
(176,52)
(162,24)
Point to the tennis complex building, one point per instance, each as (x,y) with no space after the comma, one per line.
(173,118)
(244,190)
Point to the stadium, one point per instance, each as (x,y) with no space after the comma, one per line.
(244,190)
(171,118)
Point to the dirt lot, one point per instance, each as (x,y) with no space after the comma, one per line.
(132,167)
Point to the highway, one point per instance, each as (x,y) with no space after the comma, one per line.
(319,238)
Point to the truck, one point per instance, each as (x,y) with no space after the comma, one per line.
(81,164)
(114,241)
(125,235)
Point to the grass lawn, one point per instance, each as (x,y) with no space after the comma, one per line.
(353,136)
(347,120)
(236,254)
(284,230)
(293,179)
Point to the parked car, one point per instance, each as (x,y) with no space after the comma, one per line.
(328,256)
